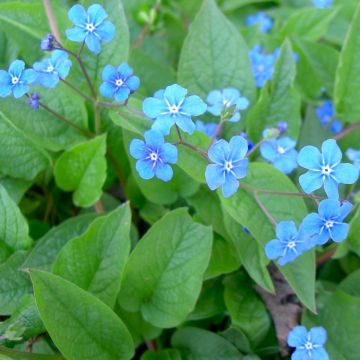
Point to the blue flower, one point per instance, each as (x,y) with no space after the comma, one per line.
(309,344)
(16,80)
(328,222)
(260,19)
(171,106)
(354,156)
(153,156)
(325,169)
(281,153)
(206,128)
(325,113)
(49,43)
(230,165)
(33,100)
(52,69)
(282,126)
(262,65)
(288,244)
(90,26)
(228,99)
(118,83)
(322,4)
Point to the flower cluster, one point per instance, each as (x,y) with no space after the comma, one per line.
(261,20)
(325,113)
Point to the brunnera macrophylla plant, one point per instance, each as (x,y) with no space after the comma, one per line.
(167,193)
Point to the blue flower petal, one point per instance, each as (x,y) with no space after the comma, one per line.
(5,90)
(235,118)
(159,94)
(5,78)
(106,31)
(331,188)
(16,68)
(107,90)
(345,209)
(193,105)
(346,173)
(93,43)
(125,70)
(230,94)
(154,138)
(339,232)
(185,123)
(331,152)
(318,335)
(96,14)
(218,151)
(169,153)
(297,336)
(109,73)
(310,157)
(153,107)
(268,150)
(286,163)
(133,83)
(286,230)
(238,148)
(19,90)
(230,185)
(320,354)
(76,34)
(63,68)
(322,238)
(310,181)
(300,354)
(242,103)
(164,172)
(329,208)
(163,124)
(138,149)
(289,256)
(29,76)
(77,15)
(122,94)
(214,175)
(311,225)
(240,168)
(57,55)
(274,249)
(145,169)
(175,94)
(47,80)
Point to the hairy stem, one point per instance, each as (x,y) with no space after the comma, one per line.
(51,19)
(347,131)
(75,89)
(256,146)
(263,208)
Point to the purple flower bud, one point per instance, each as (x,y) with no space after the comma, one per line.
(48,43)
(33,100)
(282,126)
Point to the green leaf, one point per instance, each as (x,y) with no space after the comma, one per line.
(164,273)
(92,328)
(95,260)
(47,248)
(20,156)
(171,354)
(14,283)
(340,317)
(199,344)
(353,239)
(244,209)
(347,81)
(18,355)
(82,169)
(278,100)
(214,55)
(246,309)
(230,5)
(16,188)
(14,230)
(309,24)
(351,284)
(116,51)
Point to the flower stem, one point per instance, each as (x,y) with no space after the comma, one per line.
(216,132)
(264,209)
(51,19)
(111,105)
(75,89)
(97,119)
(190,146)
(347,131)
(256,146)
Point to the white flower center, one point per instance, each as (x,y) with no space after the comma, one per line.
(228,166)
(90,27)
(326,170)
(308,345)
(329,224)
(281,150)
(153,156)
(226,103)
(119,82)
(261,68)
(14,80)
(291,244)
(50,69)
(173,109)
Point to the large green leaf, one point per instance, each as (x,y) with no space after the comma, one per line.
(164,273)
(82,169)
(95,260)
(16,188)
(14,230)
(80,325)
(279,100)
(14,283)
(199,344)
(214,55)
(347,82)
(244,209)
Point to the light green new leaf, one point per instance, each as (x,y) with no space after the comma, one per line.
(81,326)
(244,209)
(95,260)
(164,273)
(82,169)
(347,81)
(14,283)
(279,100)
(214,55)
(199,344)
(14,230)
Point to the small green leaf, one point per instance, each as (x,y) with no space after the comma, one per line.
(14,230)
(199,344)
(95,260)
(347,81)
(214,55)
(353,239)
(82,169)
(92,328)
(164,273)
